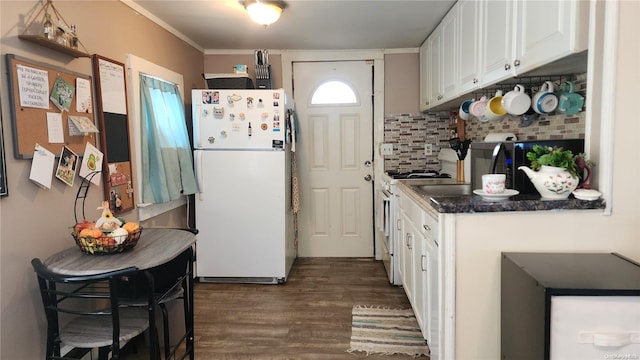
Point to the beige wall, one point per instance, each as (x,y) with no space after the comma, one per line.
(401,84)
(35,222)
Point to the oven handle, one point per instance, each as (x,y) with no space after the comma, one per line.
(386,195)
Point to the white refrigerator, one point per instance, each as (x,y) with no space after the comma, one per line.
(243,208)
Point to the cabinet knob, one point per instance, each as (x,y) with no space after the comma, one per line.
(507,67)
(475,81)
(426,227)
(516,63)
(439,97)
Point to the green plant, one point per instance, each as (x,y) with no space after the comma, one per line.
(553,156)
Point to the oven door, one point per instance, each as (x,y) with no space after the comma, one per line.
(387,237)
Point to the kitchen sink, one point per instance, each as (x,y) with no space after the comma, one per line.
(439,187)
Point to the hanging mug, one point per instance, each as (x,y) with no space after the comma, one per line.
(494,110)
(516,101)
(477,107)
(569,102)
(464,111)
(544,101)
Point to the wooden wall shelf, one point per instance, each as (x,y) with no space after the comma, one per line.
(41,40)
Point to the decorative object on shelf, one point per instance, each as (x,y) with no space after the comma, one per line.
(554,171)
(55,33)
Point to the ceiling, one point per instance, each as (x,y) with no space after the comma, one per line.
(304,25)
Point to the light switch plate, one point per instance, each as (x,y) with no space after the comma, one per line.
(386,149)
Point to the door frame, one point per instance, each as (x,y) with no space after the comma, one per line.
(377,56)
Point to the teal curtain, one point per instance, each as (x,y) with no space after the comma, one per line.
(167,163)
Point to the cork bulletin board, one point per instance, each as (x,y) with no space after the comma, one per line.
(42,100)
(113,119)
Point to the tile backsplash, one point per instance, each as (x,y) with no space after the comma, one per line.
(408,133)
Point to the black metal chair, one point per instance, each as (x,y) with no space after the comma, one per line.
(97,318)
(170,281)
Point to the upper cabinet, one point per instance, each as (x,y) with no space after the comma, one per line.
(425,75)
(497,40)
(468,47)
(449,68)
(480,43)
(547,31)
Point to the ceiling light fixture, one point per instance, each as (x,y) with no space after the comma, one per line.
(264,12)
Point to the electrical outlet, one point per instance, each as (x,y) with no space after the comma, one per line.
(386,149)
(428,149)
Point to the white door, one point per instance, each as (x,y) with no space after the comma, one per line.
(334,158)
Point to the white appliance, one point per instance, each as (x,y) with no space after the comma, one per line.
(388,209)
(242,162)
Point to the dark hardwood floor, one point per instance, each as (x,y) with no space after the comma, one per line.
(309,317)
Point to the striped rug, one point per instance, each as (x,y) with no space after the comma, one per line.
(376,330)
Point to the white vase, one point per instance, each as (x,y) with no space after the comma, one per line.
(552,182)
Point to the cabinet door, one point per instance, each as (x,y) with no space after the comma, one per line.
(408,263)
(469,45)
(546,31)
(497,40)
(435,59)
(449,26)
(432,313)
(421,291)
(400,238)
(425,76)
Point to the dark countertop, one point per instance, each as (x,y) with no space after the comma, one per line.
(476,204)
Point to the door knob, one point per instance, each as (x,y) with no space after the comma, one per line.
(367,177)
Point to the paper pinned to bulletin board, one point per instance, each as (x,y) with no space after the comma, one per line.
(43,98)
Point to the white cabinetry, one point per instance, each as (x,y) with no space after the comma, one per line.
(434,60)
(448,66)
(548,30)
(425,76)
(479,43)
(519,36)
(468,45)
(419,265)
(439,79)
(497,40)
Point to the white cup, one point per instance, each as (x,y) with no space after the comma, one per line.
(516,101)
(493,183)
(477,107)
(544,101)
(463,112)
(493,110)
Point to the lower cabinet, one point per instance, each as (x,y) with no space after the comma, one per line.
(419,268)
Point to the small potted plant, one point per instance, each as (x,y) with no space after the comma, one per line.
(554,171)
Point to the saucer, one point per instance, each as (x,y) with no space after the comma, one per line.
(584,194)
(496,197)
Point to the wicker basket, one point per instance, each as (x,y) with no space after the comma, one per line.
(105,245)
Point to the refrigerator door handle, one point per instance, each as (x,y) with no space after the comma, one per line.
(199,179)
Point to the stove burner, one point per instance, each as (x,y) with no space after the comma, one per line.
(417,175)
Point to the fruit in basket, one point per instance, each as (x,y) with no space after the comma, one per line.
(90,232)
(131,227)
(119,235)
(77,228)
(107,221)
